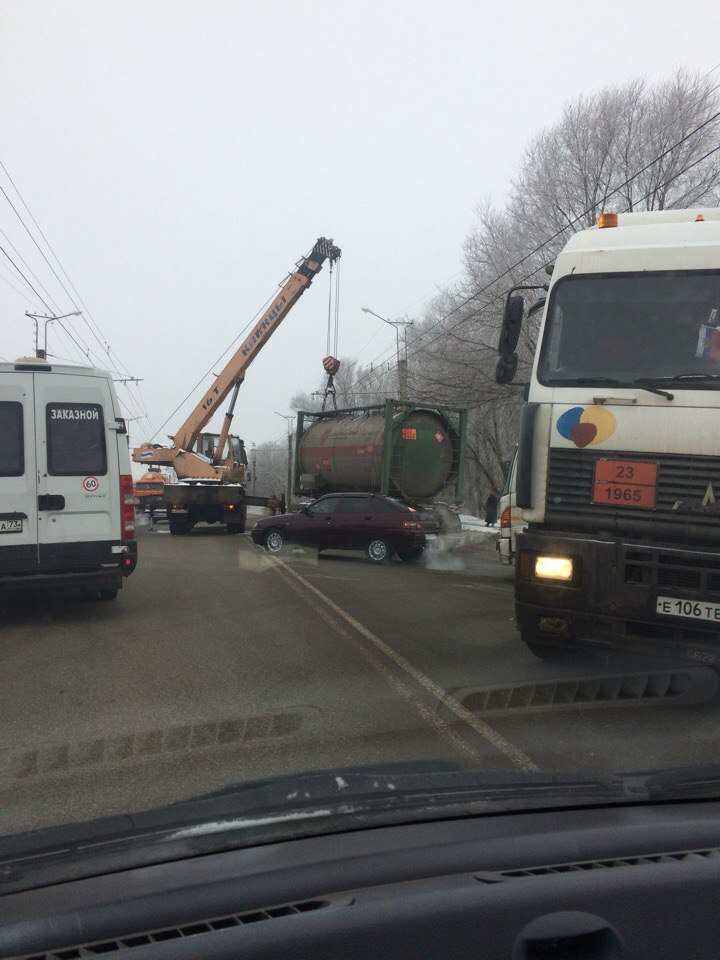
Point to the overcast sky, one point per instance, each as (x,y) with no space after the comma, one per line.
(181,156)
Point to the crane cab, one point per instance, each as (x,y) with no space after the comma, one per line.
(207,442)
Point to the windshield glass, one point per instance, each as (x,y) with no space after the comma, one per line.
(631,327)
(282,551)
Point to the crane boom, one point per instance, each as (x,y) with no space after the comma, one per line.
(180,455)
(235,369)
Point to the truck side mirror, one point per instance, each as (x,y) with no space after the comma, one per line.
(511,324)
(506,368)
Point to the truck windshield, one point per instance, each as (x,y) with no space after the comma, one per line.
(629,327)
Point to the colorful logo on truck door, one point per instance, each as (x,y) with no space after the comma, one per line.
(586,426)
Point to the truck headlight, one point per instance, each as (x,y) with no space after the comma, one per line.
(553,568)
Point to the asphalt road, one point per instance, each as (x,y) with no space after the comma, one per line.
(218,664)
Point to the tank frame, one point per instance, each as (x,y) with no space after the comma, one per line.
(456,418)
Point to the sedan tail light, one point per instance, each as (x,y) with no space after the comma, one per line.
(411,525)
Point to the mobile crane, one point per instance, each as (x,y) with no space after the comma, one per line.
(211,467)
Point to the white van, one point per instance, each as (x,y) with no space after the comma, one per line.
(66,493)
(511,521)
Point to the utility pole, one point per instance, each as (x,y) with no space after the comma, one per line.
(400,357)
(289,471)
(36,317)
(288,418)
(254,469)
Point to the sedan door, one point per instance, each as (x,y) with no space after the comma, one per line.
(313,526)
(353,523)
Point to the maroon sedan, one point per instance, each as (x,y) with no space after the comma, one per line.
(378,525)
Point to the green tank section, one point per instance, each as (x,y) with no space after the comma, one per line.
(409,450)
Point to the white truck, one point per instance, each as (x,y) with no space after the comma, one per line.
(67,516)
(618,468)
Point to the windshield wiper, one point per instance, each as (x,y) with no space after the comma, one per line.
(642,383)
(696,782)
(682,377)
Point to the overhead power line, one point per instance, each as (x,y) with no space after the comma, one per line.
(108,357)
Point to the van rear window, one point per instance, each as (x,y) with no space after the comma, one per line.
(12,444)
(75,439)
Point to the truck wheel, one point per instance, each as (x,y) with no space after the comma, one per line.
(274,540)
(379,551)
(179,527)
(410,556)
(234,528)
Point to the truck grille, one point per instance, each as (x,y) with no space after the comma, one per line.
(693,574)
(683,483)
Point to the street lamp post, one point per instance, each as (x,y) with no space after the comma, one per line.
(401,360)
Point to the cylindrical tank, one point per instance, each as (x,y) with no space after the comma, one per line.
(345,452)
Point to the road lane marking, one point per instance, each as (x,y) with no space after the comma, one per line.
(484,730)
(401,688)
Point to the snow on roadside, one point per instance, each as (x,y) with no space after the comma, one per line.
(477,524)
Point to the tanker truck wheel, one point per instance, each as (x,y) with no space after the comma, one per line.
(274,540)
(379,551)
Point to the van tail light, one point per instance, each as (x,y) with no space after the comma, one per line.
(411,525)
(127,507)
(505,518)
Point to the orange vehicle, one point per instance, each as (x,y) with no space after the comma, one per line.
(211,467)
(149,490)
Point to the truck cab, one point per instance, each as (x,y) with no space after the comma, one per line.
(618,467)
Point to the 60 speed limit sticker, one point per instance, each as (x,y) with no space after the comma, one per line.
(90,484)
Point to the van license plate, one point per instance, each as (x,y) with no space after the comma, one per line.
(10,526)
(692,609)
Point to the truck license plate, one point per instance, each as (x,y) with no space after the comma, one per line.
(692,609)
(625,483)
(10,526)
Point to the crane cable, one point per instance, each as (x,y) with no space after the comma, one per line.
(331,364)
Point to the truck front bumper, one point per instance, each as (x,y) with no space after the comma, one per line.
(611,600)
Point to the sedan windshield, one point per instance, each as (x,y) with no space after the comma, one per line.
(653,325)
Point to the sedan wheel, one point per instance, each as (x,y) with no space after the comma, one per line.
(378,551)
(274,541)
(410,555)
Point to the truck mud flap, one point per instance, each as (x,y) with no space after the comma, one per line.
(671,687)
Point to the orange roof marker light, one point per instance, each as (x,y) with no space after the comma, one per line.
(607,220)
(699,218)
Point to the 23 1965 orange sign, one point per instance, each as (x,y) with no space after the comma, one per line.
(625,483)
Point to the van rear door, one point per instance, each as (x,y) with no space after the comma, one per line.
(18,476)
(78,472)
